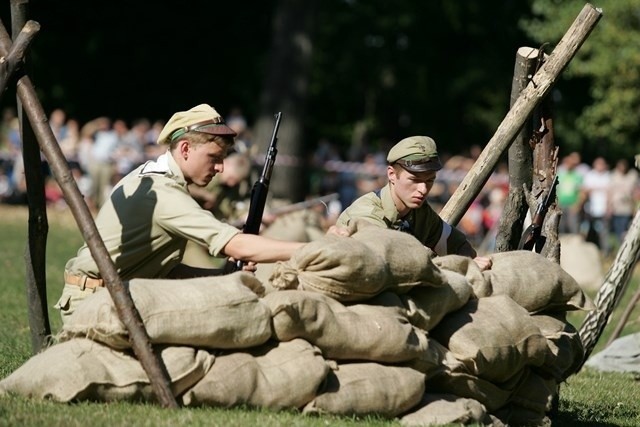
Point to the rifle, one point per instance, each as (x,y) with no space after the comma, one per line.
(532,237)
(296,207)
(260,189)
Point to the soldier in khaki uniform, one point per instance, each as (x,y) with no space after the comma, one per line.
(150,215)
(402,203)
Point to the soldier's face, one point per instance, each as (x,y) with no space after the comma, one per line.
(409,190)
(203,162)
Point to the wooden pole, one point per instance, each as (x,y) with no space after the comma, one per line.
(530,97)
(36,249)
(511,222)
(129,315)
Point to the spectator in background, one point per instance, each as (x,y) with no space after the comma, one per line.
(101,166)
(569,192)
(622,198)
(596,195)
(57,122)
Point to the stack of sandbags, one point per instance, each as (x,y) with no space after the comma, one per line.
(513,342)
(361,325)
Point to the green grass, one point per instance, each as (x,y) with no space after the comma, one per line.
(587,398)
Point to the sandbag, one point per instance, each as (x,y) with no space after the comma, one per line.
(427,305)
(534,282)
(293,226)
(493,336)
(530,403)
(219,312)
(368,388)
(357,332)
(409,261)
(372,260)
(274,375)
(566,350)
(453,377)
(444,409)
(82,369)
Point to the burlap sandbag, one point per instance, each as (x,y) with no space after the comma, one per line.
(368,388)
(534,282)
(566,350)
(493,336)
(340,267)
(293,226)
(461,265)
(275,375)
(409,262)
(222,312)
(453,377)
(443,409)
(370,261)
(530,403)
(358,332)
(82,369)
(427,305)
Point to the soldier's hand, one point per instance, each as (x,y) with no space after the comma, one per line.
(250,267)
(338,231)
(483,262)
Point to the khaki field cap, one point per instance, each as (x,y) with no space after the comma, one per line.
(416,154)
(202,118)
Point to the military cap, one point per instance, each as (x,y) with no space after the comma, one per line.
(201,118)
(415,154)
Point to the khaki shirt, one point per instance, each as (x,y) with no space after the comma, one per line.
(423,223)
(146,222)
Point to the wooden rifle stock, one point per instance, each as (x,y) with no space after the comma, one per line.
(532,238)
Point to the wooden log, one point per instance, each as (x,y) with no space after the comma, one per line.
(15,57)
(129,315)
(36,248)
(531,96)
(511,224)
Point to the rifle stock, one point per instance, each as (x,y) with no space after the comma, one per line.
(261,188)
(532,238)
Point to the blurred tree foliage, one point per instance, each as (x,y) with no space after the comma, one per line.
(380,70)
(598,112)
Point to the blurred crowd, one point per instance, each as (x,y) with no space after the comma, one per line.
(597,200)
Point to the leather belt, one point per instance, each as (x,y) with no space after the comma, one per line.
(82,281)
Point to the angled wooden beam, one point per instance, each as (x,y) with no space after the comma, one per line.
(14,59)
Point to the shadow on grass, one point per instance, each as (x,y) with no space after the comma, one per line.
(581,415)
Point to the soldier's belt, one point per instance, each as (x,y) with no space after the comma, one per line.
(83,281)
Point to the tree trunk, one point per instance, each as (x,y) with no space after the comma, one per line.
(520,160)
(285,89)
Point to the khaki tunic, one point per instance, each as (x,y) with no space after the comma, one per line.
(146,223)
(423,223)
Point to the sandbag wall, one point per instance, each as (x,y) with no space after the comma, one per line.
(368,324)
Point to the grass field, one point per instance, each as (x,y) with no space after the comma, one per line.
(589,398)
